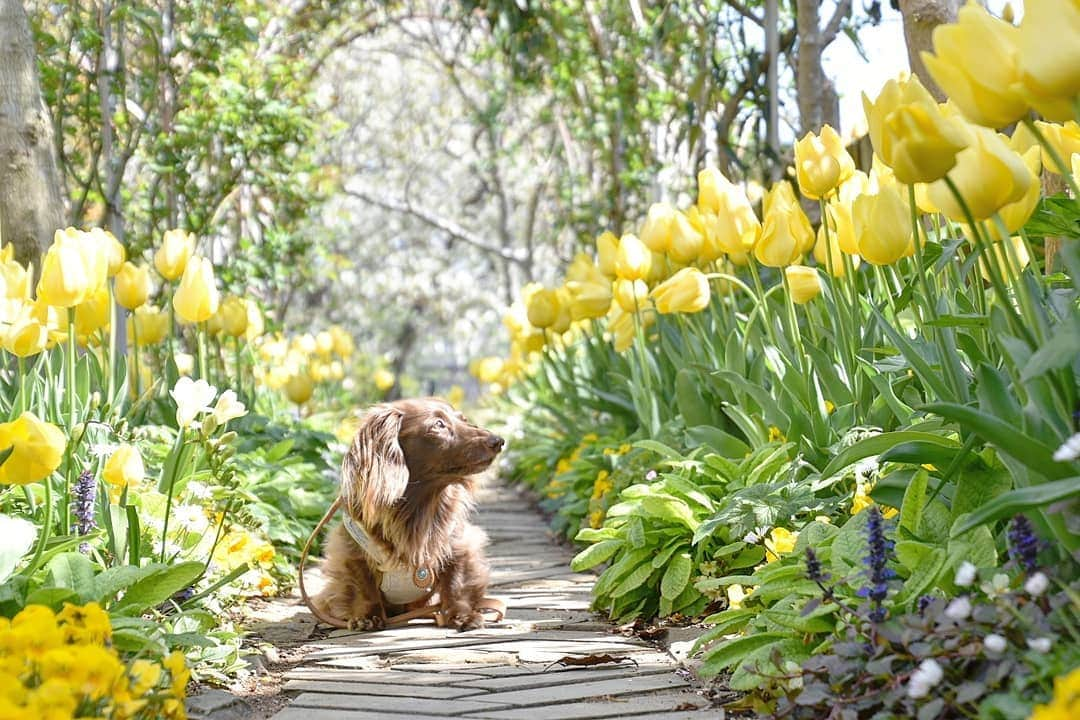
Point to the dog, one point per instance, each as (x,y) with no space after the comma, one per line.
(407,488)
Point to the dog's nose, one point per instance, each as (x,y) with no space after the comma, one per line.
(495,442)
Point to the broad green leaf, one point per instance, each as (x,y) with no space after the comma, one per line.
(659,448)
(722,442)
(728,653)
(911,510)
(677,576)
(634,580)
(595,554)
(1017,501)
(877,444)
(75,572)
(1060,350)
(159,585)
(923,562)
(976,487)
(670,508)
(692,406)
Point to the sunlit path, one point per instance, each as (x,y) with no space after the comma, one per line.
(508,670)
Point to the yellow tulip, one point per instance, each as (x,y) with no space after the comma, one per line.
(383,379)
(584,270)
(543,308)
(805,283)
(171,258)
(93,314)
(73,269)
(1064,138)
(234,319)
(56,320)
(197,298)
(487,369)
(787,233)
(16,279)
(737,227)
(37,448)
(687,291)
(123,468)
(1050,57)
(113,252)
(214,324)
(883,228)
(149,325)
(132,285)
(840,231)
(589,300)
(563,317)
(633,260)
(622,328)
(455,395)
(607,249)
(630,294)
(988,174)
(660,267)
(822,163)
(343,342)
(658,227)
(299,388)
(686,240)
(26,335)
(978,66)
(910,133)
(1015,215)
(708,225)
(1009,261)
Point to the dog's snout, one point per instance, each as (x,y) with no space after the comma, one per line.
(495,442)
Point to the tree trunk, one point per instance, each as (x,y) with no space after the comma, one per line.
(31,207)
(920,19)
(818,101)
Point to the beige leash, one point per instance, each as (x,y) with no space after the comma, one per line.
(433,611)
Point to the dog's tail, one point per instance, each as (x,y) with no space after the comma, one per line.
(334,622)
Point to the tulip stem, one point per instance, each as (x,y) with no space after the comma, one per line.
(239,371)
(69,471)
(200,341)
(46,529)
(22,384)
(769,329)
(843,309)
(110,361)
(135,356)
(793,322)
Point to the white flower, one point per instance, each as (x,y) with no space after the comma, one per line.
(1069,450)
(228,408)
(190,517)
(193,397)
(994,643)
(1040,645)
(1036,584)
(958,609)
(102,450)
(926,676)
(998,585)
(751,538)
(965,574)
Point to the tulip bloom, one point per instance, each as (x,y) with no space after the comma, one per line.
(197,298)
(786,234)
(563,317)
(26,335)
(805,283)
(542,308)
(589,300)
(15,279)
(299,388)
(883,226)
(149,324)
(234,319)
(910,133)
(686,240)
(1064,138)
(171,258)
(110,248)
(822,163)
(124,468)
(687,291)
(37,448)
(630,294)
(93,314)
(383,379)
(737,227)
(132,285)
(978,66)
(988,174)
(658,227)
(73,269)
(622,329)
(1050,57)
(634,260)
(607,249)
(841,234)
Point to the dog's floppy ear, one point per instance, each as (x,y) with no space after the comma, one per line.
(374,473)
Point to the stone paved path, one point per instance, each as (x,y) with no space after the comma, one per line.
(507,671)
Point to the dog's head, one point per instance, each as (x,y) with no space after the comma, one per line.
(424,441)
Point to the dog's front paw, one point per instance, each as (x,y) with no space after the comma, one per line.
(470,621)
(372,622)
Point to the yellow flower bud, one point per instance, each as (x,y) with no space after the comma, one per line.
(26,335)
(1050,57)
(93,314)
(787,233)
(589,300)
(1064,138)
(607,248)
(234,318)
(543,308)
(299,388)
(622,329)
(910,133)
(132,285)
(124,467)
(988,174)
(630,294)
(883,226)
(15,279)
(563,318)
(657,229)
(737,227)
(486,370)
(633,260)
(978,66)
(686,240)
(841,233)
(804,282)
(37,449)
(172,257)
(73,269)
(148,325)
(110,247)
(822,163)
(687,291)
(197,298)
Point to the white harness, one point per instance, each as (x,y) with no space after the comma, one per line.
(400,585)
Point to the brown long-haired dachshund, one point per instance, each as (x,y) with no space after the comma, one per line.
(407,490)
